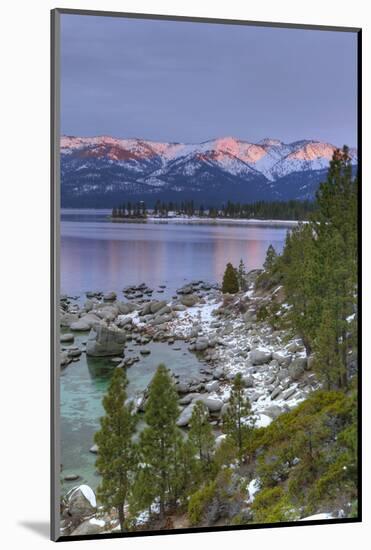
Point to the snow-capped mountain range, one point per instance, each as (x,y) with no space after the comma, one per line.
(102,171)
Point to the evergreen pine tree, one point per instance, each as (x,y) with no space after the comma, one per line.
(201,435)
(185,473)
(230,280)
(241,276)
(270,258)
(335,226)
(237,424)
(116,459)
(319,266)
(302,284)
(158,441)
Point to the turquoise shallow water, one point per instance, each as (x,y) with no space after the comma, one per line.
(82,387)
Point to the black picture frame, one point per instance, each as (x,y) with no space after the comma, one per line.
(54,251)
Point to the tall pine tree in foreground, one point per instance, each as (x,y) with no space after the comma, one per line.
(237,423)
(201,435)
(116,459)
(159,443)
(301,270)
(319,268)
(335,227)
(230,280)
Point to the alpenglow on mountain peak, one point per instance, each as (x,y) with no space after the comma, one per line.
(98,170)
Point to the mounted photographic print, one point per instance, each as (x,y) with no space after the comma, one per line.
(205,227)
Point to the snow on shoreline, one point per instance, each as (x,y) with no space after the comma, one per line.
(223,221)
(231,356)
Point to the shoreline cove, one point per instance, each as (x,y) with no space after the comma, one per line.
(221,330)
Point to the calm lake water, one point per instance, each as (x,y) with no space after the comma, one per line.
(99,255)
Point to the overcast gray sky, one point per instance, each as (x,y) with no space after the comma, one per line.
(189,82)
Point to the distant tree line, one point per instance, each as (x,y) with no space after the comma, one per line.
(130,210)
(264,210)
(273,210)
(186,208)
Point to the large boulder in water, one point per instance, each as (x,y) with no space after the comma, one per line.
(81,501)
(105,341)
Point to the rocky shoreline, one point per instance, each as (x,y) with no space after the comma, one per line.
(224,332)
